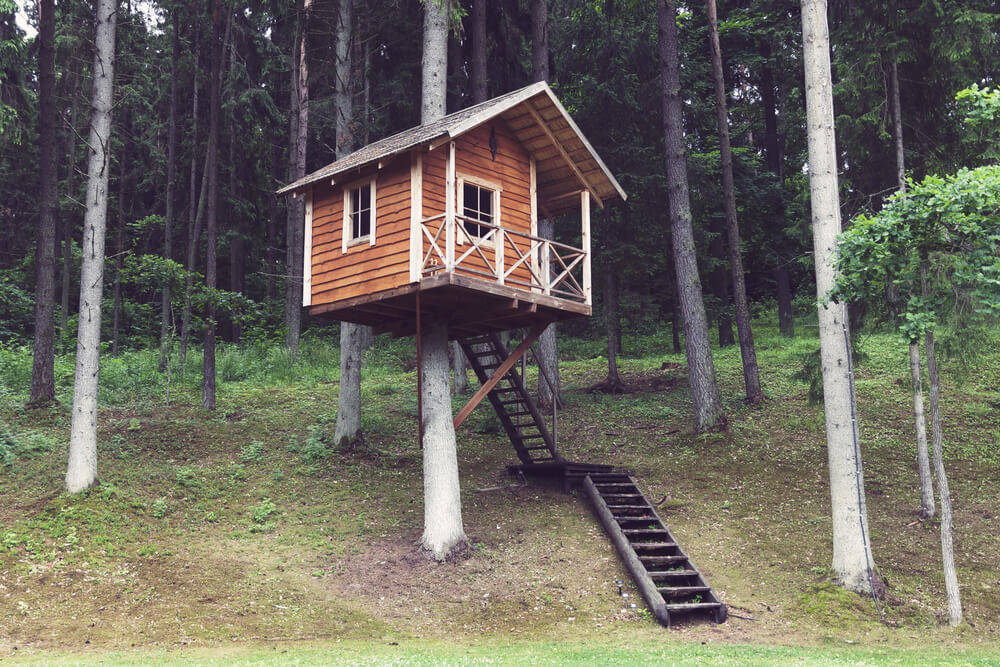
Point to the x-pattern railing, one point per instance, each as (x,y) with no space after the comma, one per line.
(506,256)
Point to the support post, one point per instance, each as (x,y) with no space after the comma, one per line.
(533,188)
(546,274)
(449,209)
(500,242)
(585,245)
(498,374)
(420,393)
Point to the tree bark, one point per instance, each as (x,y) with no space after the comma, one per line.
(434,64)
(751,374)
(116,300)
(773,153)
(212,208)
(196,209)
(853,564)
(81,470)
(947,548)
(443,530)
(920,421)
(701,370)
(477,65)
(166,323)
(271,254)
(539,40)
(443,527)
(295,226)
(548,342)
(719,283)
(43,383)
(459,370)
(344,103)
(612,384)
(348,427)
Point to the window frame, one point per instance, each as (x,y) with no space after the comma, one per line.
(348,240)
(493,186)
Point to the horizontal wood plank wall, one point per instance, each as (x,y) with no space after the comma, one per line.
(364,268)
(510,169)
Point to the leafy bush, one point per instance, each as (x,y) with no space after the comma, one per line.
(253,452)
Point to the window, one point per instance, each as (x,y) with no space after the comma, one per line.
(359,213)
(478,201)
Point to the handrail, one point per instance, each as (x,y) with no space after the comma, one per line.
(502,255)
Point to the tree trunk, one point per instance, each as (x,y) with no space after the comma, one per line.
(196,208)
(67,222)
(612,384)
(116,300)
(751,375)
(477,66)
(271,254)
(539,40)
(81,471)
(719,284)
(853,564)
(923,465)
(947,549)
(701,370)
(299,130)
(434,64)
(443,528)
(459,370)
(348,428)
(786,316)
(344,82)
(43,383)
(166,324)
(548,344)
(443,531)
(773,152)
(920,421)
(212,208)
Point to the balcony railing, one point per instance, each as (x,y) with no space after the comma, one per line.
(503,256)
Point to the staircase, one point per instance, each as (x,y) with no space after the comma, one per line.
(666,577)
(513,404)
(670,584)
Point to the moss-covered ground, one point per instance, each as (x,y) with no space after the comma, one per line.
(240,533)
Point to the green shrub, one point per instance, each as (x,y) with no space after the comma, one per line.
(252,452)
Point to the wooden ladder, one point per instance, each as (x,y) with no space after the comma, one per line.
(518,413)
(670,584)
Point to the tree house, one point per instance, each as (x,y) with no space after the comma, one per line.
(443,219)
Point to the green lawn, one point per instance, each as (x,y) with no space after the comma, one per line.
(239,534)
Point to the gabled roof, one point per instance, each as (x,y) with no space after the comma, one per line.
(566,162)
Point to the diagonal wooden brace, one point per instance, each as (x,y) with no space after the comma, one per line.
(498,374)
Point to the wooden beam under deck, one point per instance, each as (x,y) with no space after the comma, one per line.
(470,306)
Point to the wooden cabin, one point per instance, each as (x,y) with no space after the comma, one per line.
(444,217)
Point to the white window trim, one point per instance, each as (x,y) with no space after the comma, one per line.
(345,238)
(460,198)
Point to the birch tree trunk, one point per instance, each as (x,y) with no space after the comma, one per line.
(166,324)
(751,374)
(43,383)
(701,369)
(947,548)
(920,421)
(853,564)
(443,529)
(81,471)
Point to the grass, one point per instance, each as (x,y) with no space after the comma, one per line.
(237,534)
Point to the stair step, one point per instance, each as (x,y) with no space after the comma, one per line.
(514,402)
(682,590)
(633,517)
(532,437)
(533,449)
(665,574)
(693,606)
(646,531)
(621,495)
(652,545)
(662,559)
(632,507)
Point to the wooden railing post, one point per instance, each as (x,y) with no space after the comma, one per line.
(499,245)
(449,211)
(585,243)
(546,273)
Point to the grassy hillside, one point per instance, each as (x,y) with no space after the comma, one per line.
(245,525)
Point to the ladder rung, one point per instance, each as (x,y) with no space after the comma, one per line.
(662,559)
(532,449)
(672,573)
(682,590)
(632,507)
(652,545)
(645,531)
(693,606)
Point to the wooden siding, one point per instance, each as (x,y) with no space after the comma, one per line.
(364,268)
(510,169)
